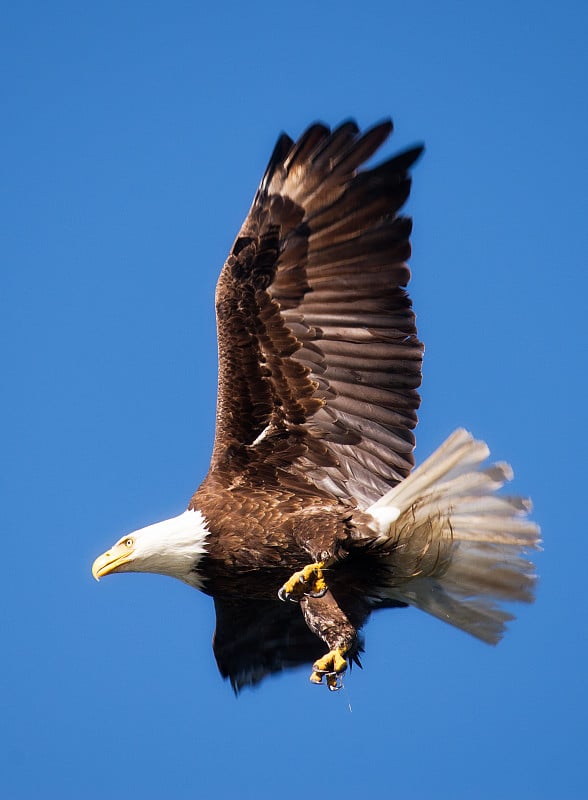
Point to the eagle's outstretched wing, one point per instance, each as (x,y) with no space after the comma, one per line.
(257,638)
(319,357)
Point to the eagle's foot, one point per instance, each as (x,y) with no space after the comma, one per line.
(331,667)
(308,581)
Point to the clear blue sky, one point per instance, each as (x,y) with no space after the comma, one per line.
(133,136)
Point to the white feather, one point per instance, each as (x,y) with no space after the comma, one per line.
(173,547)
(454,497)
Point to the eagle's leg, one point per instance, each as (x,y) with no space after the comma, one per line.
(309,581)
(325,618)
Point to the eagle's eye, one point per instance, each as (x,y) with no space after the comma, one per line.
(129,542)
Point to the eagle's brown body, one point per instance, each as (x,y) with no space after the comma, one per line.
(319,369)
(257,541)
(269,533)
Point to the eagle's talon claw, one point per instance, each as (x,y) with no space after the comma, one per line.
(308,581)
(334,681)
(331,667)
(319,593)
(285,596)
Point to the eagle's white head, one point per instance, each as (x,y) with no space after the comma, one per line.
(173,547)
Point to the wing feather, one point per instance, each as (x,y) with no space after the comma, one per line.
(257,638)
(318,349)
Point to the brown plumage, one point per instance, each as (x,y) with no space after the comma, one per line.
(319,367)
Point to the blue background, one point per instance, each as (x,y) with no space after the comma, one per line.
(133,136)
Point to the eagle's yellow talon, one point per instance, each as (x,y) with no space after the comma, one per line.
(309,581)
(333,661)
(331,666)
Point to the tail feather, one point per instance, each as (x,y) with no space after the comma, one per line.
(477,617)
(454,546)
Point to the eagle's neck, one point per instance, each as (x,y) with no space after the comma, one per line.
(173,547)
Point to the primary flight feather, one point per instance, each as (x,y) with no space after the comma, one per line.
(310,496)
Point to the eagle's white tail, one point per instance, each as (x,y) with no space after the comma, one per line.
(455,544)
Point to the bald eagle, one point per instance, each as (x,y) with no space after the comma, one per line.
(311,515)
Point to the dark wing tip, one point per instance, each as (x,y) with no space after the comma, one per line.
(407,158)
(279,153)
(319,140)
(384,128)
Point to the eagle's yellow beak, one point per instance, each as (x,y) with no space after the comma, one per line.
(111,560)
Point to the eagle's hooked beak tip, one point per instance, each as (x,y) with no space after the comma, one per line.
(112,560)
(98,567)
